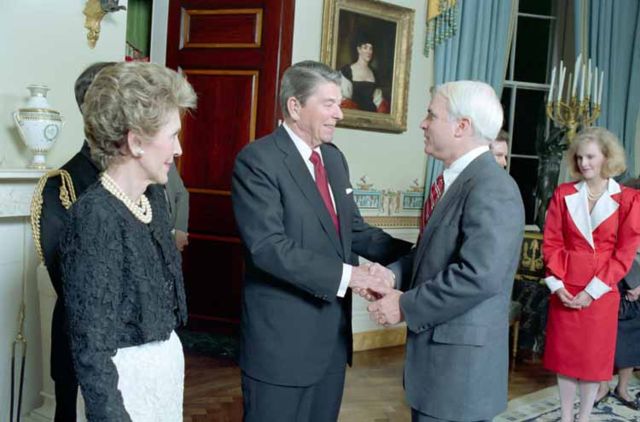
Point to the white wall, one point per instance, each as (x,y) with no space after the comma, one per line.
(45,42)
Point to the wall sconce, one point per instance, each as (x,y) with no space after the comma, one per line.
(94,10)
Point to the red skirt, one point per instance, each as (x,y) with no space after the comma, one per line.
(581,343)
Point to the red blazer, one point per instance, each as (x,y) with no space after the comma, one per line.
(579,247)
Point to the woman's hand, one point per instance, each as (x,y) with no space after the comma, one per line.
(633,294)
(565,297)
(582,300)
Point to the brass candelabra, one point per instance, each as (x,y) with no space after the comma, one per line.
(579,108)
(573,114)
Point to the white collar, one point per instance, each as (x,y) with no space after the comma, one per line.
(304,148)
(578,207)
(453,171)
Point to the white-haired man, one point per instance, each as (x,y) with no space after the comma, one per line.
(457,281)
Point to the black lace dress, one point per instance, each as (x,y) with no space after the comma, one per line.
(122,286)
(363,91)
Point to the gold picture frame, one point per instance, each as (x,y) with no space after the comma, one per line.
(380,105)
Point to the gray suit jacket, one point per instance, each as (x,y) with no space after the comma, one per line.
(178,200)
(456,302)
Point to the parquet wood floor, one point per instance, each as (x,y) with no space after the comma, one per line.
(373,389)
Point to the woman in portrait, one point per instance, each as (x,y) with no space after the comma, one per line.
(591,235)
(359,86)
(121,271)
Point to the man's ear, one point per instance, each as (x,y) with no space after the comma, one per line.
(463,127)
(293,106)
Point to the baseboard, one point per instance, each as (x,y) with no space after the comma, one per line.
(378,339)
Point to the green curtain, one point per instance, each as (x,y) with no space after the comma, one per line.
(139,26)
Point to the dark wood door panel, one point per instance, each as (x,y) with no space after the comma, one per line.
(222,28)
(224,122)
(211,213)
(213,269)
(234,53)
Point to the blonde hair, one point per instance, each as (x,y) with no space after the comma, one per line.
(609,145)
(131,97)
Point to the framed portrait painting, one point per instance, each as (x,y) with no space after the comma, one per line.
(369,42)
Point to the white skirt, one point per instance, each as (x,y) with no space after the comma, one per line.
(151,380)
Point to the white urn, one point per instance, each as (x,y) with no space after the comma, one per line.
(38,125)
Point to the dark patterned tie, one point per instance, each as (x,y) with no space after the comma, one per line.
(436,191)
(323,187)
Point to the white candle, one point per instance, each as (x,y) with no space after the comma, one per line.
(576,69)
(584,72)
(561,83)
(595,86)
(553,80)
(589,80)
(601,86)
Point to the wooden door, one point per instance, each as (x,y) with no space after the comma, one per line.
(233,53)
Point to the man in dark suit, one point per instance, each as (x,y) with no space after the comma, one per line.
(294,207)
(458,280)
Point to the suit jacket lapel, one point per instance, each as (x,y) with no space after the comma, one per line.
(300,174)
(457,188)
(337,181)
(578,208)
(606,205)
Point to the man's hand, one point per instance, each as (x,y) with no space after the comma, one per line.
(382,272)
(633,294)
(182,239)
(366,284)
(582,300)
(386,311)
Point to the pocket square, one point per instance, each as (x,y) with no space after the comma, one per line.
(348,191)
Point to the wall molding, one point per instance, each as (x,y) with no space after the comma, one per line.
(377,339)
(393,222)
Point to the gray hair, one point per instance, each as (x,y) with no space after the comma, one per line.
(476,101)
(131,97)
(302,79)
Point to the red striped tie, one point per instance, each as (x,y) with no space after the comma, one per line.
(435,193)
(323,187)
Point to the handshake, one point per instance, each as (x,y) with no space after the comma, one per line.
(376,283)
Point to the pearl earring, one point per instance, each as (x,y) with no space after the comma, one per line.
(140,151)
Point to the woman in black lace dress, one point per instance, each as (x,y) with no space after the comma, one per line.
(122,276)
(359,87)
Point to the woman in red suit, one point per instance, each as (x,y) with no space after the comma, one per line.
(591,235)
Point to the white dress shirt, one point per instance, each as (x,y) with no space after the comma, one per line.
(451,173)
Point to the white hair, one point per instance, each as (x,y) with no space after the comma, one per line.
(476,101)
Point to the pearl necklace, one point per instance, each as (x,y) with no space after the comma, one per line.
(592,196)
(141,210)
